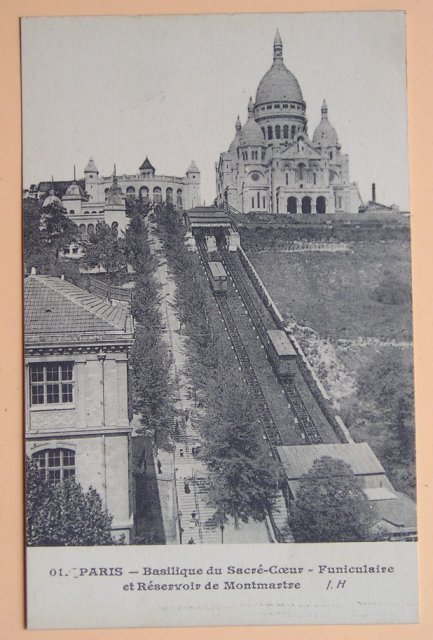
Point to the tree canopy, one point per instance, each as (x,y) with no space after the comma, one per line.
(47,230)
(62,514)
(243,476)
(106,249)
(330,505)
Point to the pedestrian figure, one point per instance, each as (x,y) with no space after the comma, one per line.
(181,453)
(191,541)
(159,465)
(193,450)
(186,413)
(186,487)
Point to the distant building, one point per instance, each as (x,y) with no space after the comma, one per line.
(396,512)
(273,166)
(76,391)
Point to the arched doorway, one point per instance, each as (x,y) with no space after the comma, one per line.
(144,194)
(321,204)
(306,204)
(292,205)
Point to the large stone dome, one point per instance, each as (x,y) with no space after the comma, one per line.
(278,84)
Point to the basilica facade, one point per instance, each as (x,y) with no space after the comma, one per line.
(273,166)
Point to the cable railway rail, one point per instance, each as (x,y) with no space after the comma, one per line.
(265,415)
(305,421)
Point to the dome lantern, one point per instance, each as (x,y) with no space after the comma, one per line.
(278,46)
(278,84)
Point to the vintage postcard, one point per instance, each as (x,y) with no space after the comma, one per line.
(219,405)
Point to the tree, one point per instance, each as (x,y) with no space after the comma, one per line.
(243,477)
(47,230)
(150,365)
(330,505)
(62,514)
(104,248)
(57,230)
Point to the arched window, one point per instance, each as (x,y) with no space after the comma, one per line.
(72,212)
(321,204)
(179,201)
(300,171)
(263,155)
(86,212)
(258,201)
(264,202)
(270,135)
(306,204)
(287,178)
(278,132)
(252,202)
(314,178)
(293,131)
(115,227)
(144,194)
(130,192)
(55,465)
(292,205)
(82,229)
(93,213)
(330,155)
(264,132)
(286,132)
(90,229)
(169,195)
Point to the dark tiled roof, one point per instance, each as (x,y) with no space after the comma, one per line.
(147,165)
(59,186)
(208,216)
(55,306)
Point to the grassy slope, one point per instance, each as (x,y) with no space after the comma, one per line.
(332,294)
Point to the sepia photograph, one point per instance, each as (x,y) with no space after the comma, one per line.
(217,281)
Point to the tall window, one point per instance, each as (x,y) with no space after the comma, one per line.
(252,202)
(52,383)
(278,132)
(264,132)
(55,465)
(270,136)
(286,132)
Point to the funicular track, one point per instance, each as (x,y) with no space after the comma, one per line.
(305,421)
(264,412)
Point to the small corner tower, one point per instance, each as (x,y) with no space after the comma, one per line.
(193,181)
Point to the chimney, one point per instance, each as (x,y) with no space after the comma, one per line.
(373,192)
(33,271)
(62,277)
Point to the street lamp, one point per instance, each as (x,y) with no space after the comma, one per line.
(222,533)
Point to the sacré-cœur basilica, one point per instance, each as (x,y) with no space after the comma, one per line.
(273,166)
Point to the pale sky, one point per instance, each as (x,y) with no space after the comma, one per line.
(120,89)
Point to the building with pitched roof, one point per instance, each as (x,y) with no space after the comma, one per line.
(96,198)
(273,166)
(395,513)
(76,391)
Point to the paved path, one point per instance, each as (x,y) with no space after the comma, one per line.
(188,511)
